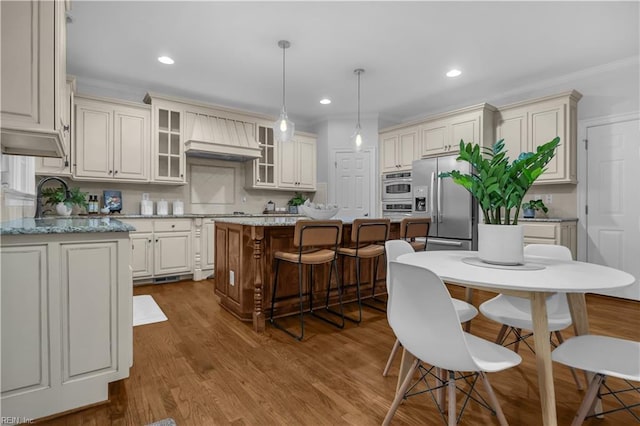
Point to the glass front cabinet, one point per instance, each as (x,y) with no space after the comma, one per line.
(263,170)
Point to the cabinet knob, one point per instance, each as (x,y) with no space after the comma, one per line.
(110,171)
(173,226)
(115,173)
(66,127)
(150,240)
(156,240)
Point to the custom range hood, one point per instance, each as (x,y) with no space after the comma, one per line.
(220,138)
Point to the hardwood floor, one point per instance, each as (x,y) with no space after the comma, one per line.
(203,367)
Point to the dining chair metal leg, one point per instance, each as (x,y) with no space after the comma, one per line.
(589,400)
(494,401)
(392,356)
(516,345)
(452,410)
(400,393)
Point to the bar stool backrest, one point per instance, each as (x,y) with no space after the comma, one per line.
(412,227)
(370,230)
(315,233)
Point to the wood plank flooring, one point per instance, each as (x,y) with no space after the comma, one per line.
(203,367)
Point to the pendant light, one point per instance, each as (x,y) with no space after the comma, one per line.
(283,128)
(357,135)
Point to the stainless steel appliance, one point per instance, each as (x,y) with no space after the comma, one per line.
(452,210)
(397,210)
(396,186)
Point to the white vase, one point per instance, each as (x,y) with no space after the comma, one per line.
(63,210)
(501,244)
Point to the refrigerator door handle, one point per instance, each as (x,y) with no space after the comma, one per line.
(445,242)
(440,214)
(431,197)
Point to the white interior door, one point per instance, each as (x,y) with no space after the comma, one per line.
(613,220)
(353,183)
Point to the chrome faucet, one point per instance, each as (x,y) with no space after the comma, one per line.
(38,214)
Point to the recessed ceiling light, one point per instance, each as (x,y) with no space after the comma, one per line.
(166,60)
(454,73)
(325,101)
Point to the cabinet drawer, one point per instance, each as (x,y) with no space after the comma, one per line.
(142,225)
(540,231)
(168,225)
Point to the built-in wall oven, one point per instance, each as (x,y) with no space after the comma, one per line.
(396,210)
(396,186)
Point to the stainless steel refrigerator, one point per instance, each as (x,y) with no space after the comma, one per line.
(452,210)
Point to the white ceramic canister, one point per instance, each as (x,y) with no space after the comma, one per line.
(163,208)
(178,208)
(146,207)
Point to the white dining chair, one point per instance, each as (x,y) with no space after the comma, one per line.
(422,315)
(394,249)
(514,313)
(621,359)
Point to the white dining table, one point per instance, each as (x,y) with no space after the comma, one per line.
(538,277)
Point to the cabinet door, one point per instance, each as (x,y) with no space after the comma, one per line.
(288,166)
(94,140)
(546,121)
(435,138)
(169,158)
(172,253)
(131,144)
(89,309)
(466,129)
(388,157)
(512,127)
(264,169)
(142,255)
(406,147)
(25,349)
(306,164)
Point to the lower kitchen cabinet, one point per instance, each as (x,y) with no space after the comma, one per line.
(560,233)
(66,323)
(161,247)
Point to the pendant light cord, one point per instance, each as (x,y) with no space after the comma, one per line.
(359,99)
(283,74)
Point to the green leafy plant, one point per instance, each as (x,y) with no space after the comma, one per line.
(498,185)
(57,195)
(297,200)
(535,205)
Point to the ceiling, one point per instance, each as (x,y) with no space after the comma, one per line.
(226,52)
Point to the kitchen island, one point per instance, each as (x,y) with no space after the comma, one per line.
(66,313)
(244,269)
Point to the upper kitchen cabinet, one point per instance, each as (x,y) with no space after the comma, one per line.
(168,160)
(397,149)
(261,173)
(33,78)
(112,140)
(62,166)
(526,125)
(442,134)
(297,163)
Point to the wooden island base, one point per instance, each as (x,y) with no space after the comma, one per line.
(245,269)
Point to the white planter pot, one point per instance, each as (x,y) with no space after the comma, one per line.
(63,210)
(501,244)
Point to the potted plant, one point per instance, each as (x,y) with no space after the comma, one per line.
(530,207)
(63,201)
(499,187)
(297,200)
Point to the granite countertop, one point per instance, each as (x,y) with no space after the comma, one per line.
(182,216)
(548,219)
(63,225)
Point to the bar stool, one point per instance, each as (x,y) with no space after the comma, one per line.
(369,236)
(412,227)
(317,243)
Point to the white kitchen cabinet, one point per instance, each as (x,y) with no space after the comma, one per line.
(262,172)
(526,125)
(112,141)
(49,166)
(168,141)
(161,247)
(441,135)
(32,77)
(297,163)
(560,233)
(66,320)
(397,150)
(204,248)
